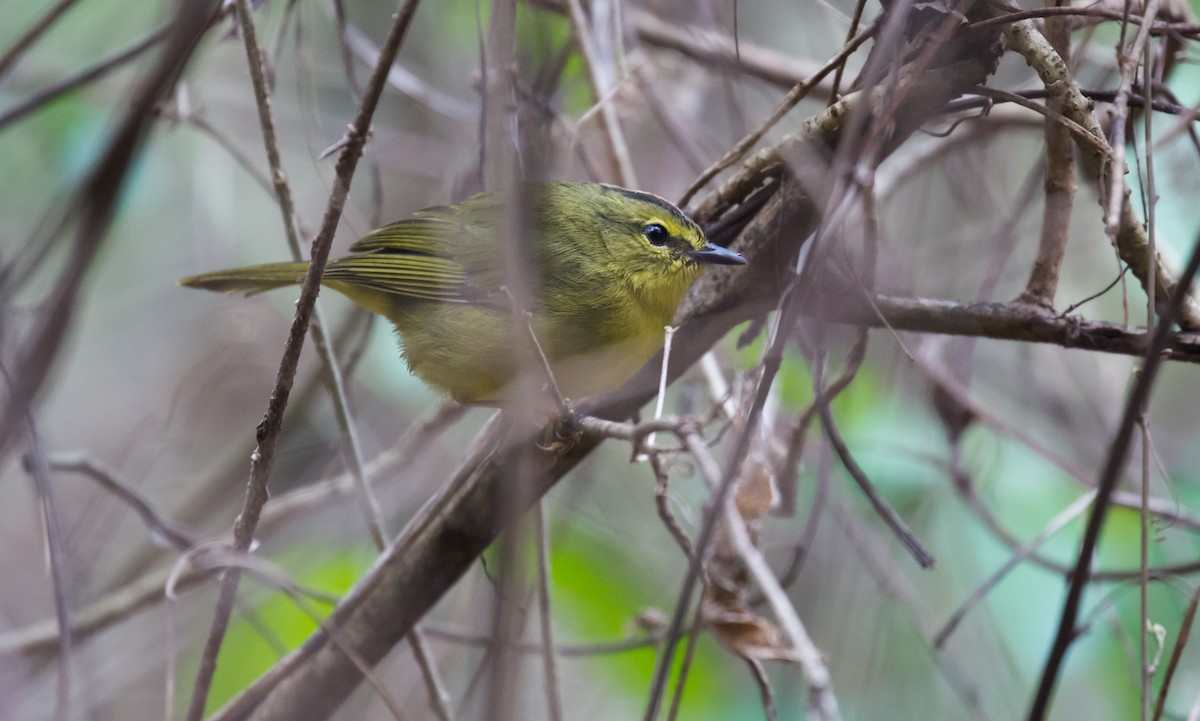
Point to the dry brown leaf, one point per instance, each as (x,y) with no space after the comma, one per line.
(756,493)
(745,633)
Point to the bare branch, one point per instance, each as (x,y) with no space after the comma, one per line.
(546,620)
(1059,184)
(789,101)
(31,35)
(181,538)
(268,431)
(1185,632)
(601,76)
(1004,321)
(94,206)
(51,93)
(332,371)
(39,469)
(1113,466)
(1130,234)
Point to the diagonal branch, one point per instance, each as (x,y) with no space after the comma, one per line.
(93,210)
(272,424)
(83,77)
(441,544)
(31,35)
(1113,467)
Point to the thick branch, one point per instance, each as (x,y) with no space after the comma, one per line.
(1003,321)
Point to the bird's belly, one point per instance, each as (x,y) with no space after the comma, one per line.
(603,367)
(468,351)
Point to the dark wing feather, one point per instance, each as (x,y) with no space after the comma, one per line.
(443,254)
(411,275)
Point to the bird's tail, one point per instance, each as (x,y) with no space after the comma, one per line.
(251,279)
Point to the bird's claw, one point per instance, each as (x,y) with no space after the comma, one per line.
(563,433)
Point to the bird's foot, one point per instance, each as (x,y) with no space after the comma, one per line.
(563,433)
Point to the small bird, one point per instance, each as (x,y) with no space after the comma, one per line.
(609,265)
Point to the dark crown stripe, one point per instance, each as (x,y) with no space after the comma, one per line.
(653,199)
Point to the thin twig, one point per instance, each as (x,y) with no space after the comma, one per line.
(823,702)
(39,470)
(1005,17)
(1185,632)
(668,335)
(855,19)
(789,101)
(268,431)
(1056,524)
(688,657)
(1145,668)
(549,666)
(1083,134)
(893,520)
(560,401)
(600,76)
(347,55)
(31,35)
(406,82)
(788,466)
(1136,100)
(439,697)
(681,137)
(1127,61)
(1003,321)
(759,672)
(662,501)
(52,92)
(182,539)
(575,650)
(635,433)
(1150,205)
(219,137)
(1113,467)
(710,47)
(334,381)
(501,167)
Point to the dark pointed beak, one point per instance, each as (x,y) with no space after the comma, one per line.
(716,255)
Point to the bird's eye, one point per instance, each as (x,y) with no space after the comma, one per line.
(656,234)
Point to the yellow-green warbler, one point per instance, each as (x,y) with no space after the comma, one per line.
(609,266)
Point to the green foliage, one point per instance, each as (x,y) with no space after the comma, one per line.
(598,594)
(269,627)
